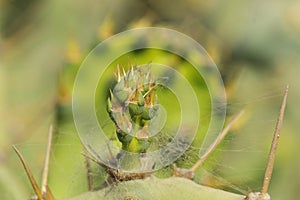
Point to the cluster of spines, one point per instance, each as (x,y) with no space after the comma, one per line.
(132,106)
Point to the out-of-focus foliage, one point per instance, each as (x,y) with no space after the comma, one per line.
(255,45)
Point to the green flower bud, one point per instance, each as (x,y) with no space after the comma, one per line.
(123,137)
(135,109)
(149,113)
(122,95)
(132,106)
(122,121)
(141,100)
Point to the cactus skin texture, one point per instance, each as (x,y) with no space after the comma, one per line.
(153,188)
(131,106)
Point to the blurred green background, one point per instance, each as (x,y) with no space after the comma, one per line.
(255,45)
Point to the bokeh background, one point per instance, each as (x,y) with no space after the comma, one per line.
(255,45)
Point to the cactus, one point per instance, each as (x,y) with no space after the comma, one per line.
(131,106)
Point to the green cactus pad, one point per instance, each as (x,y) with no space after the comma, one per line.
(154,188)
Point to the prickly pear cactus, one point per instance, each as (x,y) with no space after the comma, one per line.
(132,106)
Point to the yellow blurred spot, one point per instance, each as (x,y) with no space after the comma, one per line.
(107,29)
(73,54)
(64,95)
(213,50)
(232,85)
(143,22)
